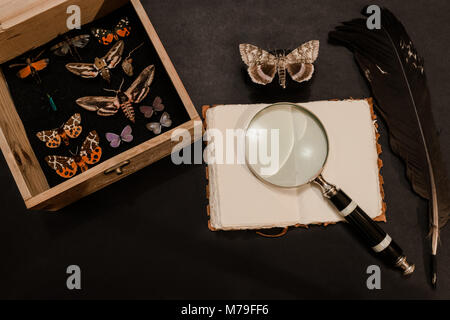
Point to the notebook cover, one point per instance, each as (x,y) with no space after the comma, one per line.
(380,217)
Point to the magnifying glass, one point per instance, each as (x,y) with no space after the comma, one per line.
(287,146)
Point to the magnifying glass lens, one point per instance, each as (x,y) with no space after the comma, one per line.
(286,145)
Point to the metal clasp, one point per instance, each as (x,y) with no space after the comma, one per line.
(118,168)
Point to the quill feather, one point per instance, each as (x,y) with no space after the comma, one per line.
(395,72)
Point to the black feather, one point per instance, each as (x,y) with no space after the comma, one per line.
(395,72)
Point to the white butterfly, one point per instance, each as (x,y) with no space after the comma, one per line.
(156,127)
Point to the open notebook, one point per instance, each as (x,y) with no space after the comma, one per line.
(238,200)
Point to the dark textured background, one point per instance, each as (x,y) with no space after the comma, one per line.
(147,237)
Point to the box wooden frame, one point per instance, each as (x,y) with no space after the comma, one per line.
(31,23)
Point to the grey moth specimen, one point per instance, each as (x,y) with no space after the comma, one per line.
(102,66)
(263,65)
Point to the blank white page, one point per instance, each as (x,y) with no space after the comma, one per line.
(238,200)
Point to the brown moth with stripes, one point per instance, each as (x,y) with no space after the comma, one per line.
(264,65)
(108,106)
(100,66)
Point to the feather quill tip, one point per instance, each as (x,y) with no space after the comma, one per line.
(433,270)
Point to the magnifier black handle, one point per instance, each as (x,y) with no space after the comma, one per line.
(372,233)
(368,230)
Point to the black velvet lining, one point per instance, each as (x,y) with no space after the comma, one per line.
(34,109)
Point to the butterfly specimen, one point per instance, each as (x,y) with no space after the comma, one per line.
(115,140)
(70,129)
(100,66)
(104,36)
(90,153)
(66,46)
(108,106)
(32,66)
(156,127)
(149,110)
(262,65)
(127,63)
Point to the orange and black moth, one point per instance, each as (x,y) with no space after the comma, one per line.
(70,129)
(31,67)
(105,36)
(90,153)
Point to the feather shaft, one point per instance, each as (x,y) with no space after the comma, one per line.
(394,70)
(434,203)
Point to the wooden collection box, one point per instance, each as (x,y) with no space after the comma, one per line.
(28,24)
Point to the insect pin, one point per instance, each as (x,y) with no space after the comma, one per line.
(164,121)
(108,106)
(148,111)
(115,139)
(70,45)
(127,63)
(262,65)
(69,129)
(100,66)
(90,153)
(105,36)
(32,66)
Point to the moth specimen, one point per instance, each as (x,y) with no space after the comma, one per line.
(69,129)
(90,153)
(70,45)
(127,63)
(156,106)
(100,66)
(115,139)
(32,66)
(105,36)
(164,121)
(108,106)
(262,65)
